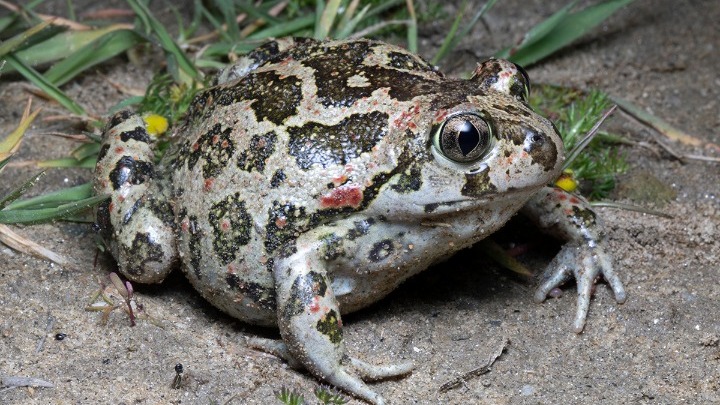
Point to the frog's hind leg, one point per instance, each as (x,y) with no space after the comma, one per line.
(310,325)
(136,222)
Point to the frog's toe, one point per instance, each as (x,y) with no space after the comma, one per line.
(372,372)
(586,263)
(275,347)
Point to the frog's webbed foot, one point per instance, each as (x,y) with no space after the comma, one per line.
(586,264)
(571,218)
(311,328)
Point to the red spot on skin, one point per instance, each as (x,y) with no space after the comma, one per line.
(185,224)
(562,197)
(315,305)
(119,150)
(406,117)
(574,200)
(224,144)
(280,222)
(349,195)
(225,225)
(195,146)
(215,139)
(440,116)
(208,184)
(111,206)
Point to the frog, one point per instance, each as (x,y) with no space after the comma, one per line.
(311,178)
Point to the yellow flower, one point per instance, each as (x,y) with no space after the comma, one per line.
(156,125)
(567,181)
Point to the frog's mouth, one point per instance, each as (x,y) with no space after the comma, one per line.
(465,204)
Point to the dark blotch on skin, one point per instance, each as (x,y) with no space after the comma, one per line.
(214,148)
(231,225)
(542,152)
(329,325)
(129,170)
(120,117)
(138,134)
(381,250)
(102,221)
(260,148)
(408,181)
(277,178)
(478,184)
(332,246)
(302,292)
(285,223)
(407,61)
(584,217)
(263,296)
(103,152)
(145,250)
(317,144)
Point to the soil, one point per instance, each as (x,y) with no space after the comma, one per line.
(660,347)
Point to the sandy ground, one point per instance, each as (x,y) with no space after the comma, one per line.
(660,347)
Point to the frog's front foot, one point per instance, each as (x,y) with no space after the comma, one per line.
(571,218)
(586,263)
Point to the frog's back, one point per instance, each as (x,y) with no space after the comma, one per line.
(307,137)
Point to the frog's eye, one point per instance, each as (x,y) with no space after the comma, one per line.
(521,89)
(464,138)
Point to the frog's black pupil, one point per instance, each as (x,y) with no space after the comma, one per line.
(468,137)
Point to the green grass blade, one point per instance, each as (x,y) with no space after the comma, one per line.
(327,19)
(285,29)
(178,62)
(45,85)
(48,214)
(453,37)
(54,199)
(98,51)
(539,31)
(349,26)
(568,29)
(20,190)
(17,41)
(88,162)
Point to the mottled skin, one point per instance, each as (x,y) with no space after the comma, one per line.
(315,177)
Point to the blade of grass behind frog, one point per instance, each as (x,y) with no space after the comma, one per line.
(538,32)
(10,45)
(11,143)
(176,58)
(325,18)
(575,152)
(54,199)
(568,29)
(88,162)
(20,190)
(107,46)
(45,85)
(412,37)
(24,245)
(48,214)
(227,10)
(281,30)
(452,38)
(349,27)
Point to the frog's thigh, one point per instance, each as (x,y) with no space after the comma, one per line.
(309,320)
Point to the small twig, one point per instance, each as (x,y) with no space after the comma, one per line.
(630,207)
(48,328)
(17,242)
(484,369)
(377,27)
